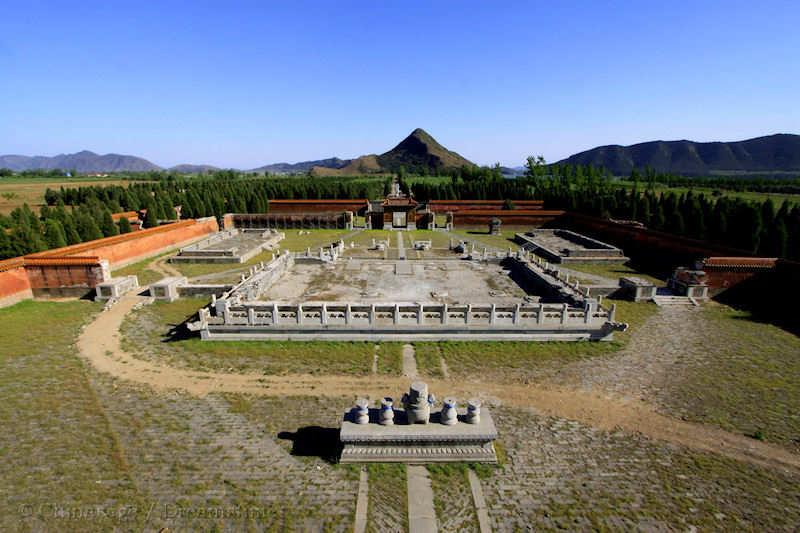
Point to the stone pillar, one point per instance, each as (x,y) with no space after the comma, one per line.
(396,314)
(347,313)
(275,315)
(420,315)
(387,412)
(564,313)
(299,314)
(444,313)
(611,312)
(473,411)
(213,299)
(371,314)
(466,315)
(251,316)
(492,315)
(449,415)
(540,314)
(589,309)
(323,314)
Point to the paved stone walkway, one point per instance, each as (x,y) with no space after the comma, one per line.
(421,514)
(409,362)
(362,502)
(479,501)
(401,247)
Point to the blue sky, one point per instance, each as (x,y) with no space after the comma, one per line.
(240,84)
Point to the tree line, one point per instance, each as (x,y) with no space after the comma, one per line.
(78,214)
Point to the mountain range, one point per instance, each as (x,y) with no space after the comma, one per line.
(773,153)
(420,151)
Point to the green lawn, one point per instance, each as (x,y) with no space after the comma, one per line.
(612,271)
(150,334)
(57,445)
(501,242)
(315,238)
(145,275)
(519,361)
(192,270)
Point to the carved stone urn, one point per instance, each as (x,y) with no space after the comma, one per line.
(387,412)
(473,411)
(449,415)
(361,411)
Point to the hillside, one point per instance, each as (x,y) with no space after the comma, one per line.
(84,161)
(773,153)
(188,168)
(302,167)
(419,151)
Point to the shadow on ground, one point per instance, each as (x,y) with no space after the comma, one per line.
(315,441)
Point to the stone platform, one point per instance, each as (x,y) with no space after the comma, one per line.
(461,438)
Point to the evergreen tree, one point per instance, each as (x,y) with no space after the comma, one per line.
(124,225)
(107,225)
(54,234)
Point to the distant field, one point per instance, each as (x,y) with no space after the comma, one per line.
(778,198)
(15,191)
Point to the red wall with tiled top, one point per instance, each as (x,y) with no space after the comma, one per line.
(64,275)
(147,245)
(14,286)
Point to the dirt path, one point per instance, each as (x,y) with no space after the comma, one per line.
(99,344)
(163,267)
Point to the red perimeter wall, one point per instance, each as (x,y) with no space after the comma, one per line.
(509,217)
(443,206)
(131,247)
(316,206)
(79,267)
(14,284)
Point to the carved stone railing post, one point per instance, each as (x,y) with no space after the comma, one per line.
(564,313)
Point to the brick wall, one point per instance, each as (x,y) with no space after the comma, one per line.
(443,206)
(357,205)
(509,217)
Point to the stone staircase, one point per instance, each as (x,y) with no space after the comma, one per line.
(665,300)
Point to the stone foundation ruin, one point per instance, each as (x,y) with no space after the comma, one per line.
(229,246)
(564,246)
(327,297)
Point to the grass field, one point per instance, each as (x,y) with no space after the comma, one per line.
(295,242)
(520,361)
(57,445)
(613,271)
(145,275)
(154,333)
(501,242)
(743,378)
(191,270)
(15,191)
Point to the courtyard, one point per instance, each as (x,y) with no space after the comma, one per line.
(653,430)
